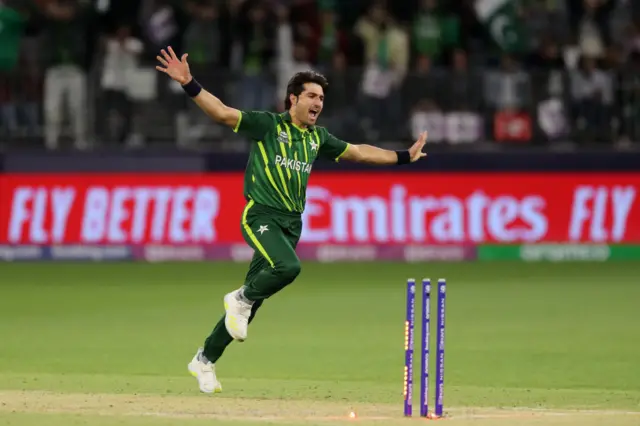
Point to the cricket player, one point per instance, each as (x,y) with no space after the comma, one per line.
(280,161)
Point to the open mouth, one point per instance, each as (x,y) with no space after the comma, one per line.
(313,113)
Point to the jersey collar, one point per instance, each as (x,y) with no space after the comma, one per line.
(287,117)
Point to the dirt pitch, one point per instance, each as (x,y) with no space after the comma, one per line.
(183,410)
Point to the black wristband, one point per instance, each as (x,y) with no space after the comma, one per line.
(192,88)
(403,157)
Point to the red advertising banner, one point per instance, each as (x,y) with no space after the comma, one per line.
(342,208)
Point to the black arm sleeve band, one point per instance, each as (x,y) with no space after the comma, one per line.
(403,157)
(192,88)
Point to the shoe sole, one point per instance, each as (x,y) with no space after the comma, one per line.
(226,308)
(194,373)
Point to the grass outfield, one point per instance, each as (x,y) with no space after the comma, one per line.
(108,344)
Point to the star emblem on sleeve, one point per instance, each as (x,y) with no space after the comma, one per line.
(263,229)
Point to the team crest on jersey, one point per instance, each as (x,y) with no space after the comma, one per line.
(283,137)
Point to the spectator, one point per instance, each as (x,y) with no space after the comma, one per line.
(386,60)
(12,24)
(547,68)
(463,86)
(258,50)
(204,40)
(548,79)
(424,84)
(236,22)
(508,87)
(66,57)
(247,49)
(203,37)
(284,52)
(121,56)
(592,98)
(591,25)
(338,109)
(432,32)
(327,40)
(291,57)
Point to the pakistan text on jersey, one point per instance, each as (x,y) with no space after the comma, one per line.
(298,166)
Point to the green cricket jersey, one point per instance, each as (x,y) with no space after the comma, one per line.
(281,158)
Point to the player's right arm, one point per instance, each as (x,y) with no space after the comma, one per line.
(178,70)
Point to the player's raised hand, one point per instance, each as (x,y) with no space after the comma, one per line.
(177,69)
(416,149)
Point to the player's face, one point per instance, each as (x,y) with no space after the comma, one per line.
(309,104)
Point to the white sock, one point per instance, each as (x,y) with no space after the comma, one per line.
(203,358)
(241,297)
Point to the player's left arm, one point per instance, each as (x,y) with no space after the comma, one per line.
(369,154)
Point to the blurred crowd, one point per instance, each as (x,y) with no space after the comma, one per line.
(469,71)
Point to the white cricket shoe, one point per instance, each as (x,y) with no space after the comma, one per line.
(237,315)
(205,372)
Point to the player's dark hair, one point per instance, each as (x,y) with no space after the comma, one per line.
(296,84)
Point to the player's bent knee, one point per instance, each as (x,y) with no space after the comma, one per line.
(289,271)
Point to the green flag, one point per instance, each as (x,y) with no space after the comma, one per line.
(12,26)
(502,20)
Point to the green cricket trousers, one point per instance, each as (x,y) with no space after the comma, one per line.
(273,235)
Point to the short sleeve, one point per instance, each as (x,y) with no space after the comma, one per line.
(255,124)
(332,148)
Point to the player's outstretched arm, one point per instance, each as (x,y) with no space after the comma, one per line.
(178,70)
(369,154)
